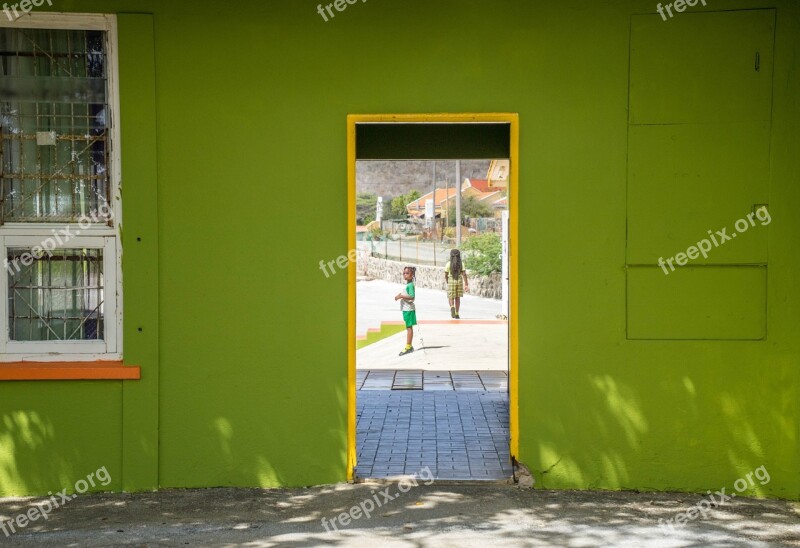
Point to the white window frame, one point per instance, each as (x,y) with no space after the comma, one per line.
(98,235)
(109,342)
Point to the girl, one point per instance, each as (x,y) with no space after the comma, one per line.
(456,278)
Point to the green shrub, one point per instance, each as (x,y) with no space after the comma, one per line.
(482,254)
(376,233)
(470,207)
(366,204)
(398,205)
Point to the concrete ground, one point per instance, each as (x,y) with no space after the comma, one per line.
(477,342)
(437,515)
(454,346)
(375,303)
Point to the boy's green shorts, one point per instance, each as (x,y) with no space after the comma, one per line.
(410,317)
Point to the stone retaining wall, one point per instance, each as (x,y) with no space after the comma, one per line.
(430,277)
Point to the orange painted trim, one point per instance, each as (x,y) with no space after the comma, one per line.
(68,371)
(456,322)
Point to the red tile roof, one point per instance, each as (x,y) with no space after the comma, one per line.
(481,185)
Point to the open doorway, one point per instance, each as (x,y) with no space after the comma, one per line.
(421,186)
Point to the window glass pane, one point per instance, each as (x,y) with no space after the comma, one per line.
(54,125)
(56,297)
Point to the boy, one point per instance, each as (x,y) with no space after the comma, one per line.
(407,307)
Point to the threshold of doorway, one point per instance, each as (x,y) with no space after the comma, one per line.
(431,380)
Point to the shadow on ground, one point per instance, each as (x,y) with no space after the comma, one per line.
(425,515)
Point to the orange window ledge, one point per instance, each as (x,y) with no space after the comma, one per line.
(60,371)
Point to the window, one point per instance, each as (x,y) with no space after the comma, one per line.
(60,285)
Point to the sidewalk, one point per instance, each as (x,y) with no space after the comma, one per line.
(476,342)
(453,346)
(375,304)
(433,515)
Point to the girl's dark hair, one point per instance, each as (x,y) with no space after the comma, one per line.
(455,263)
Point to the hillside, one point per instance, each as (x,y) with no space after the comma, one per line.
(392,178)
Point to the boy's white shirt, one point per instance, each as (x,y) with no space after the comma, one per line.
(405,304)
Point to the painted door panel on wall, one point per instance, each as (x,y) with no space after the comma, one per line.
(687,179)
(702,67)
(698,161)
(698,303)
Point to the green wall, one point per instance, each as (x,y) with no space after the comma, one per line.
(234,128)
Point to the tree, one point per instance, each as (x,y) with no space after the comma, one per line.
(398,207)
(366,205)
(470,207)
(483,253)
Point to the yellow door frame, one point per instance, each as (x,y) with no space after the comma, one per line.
(513,201)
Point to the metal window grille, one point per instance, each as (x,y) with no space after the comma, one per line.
(54,125)
(57,296)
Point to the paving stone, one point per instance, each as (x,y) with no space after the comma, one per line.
(457,435)
(412,380)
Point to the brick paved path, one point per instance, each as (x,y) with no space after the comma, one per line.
(459,435)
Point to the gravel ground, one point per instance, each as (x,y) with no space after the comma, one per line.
(438,514)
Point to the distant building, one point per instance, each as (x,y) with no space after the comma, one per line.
(416,209)
(482,192)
